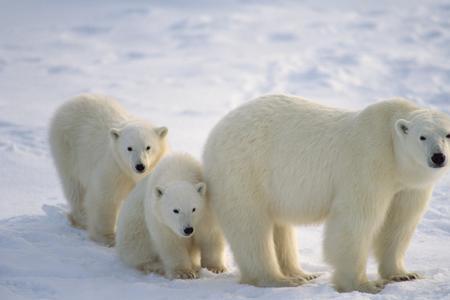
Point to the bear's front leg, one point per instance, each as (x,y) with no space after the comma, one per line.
(102,202)
(153,266)
(349,233)
(174,254)
(210,239)
(194,252)
(212,255)
(393,239)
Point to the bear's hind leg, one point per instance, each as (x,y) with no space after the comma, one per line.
(74,193)
(64,162)
(287,253)
(393,239)
(253,248)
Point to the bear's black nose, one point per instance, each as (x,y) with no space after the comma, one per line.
(140,168)
(438,159)
(188,231)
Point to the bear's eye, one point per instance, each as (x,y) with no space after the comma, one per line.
(448,136)
(148,148)
(176,211)
(130,149)
(422,138)
(193,210)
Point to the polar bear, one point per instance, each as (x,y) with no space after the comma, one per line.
(100,152)
(281,161)
(166,226)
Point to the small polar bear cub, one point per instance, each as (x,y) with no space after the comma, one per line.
(100,152)
(165,225)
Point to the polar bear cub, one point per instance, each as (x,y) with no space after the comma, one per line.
(165,225)
(282,161)
(100,152)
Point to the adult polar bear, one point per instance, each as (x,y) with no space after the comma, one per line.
(280,160)
(100,152)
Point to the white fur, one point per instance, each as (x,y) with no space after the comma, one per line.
(89,138)
(150,235)
(281,161)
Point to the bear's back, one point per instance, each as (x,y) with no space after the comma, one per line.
(83,125)
(176,167)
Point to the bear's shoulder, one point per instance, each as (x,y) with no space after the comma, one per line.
(395,106)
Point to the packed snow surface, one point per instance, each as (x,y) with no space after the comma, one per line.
(184,64)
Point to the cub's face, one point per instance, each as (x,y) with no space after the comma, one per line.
(138,147)
(426,139)
(180,206)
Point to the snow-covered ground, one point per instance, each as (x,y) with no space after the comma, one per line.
(184,64)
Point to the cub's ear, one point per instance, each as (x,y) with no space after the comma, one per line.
(115,133)
(161,131)
(159,192)
(201,188)
(402,127)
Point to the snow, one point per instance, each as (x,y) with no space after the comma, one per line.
(184,65)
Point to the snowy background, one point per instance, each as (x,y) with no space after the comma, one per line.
(184,64)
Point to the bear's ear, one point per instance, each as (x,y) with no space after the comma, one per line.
(201,188)
(161,131)
(115,133)
(159,192)
(402,127)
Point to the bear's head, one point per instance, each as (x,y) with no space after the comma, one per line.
(137,147)
(179,205)
(424,142)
